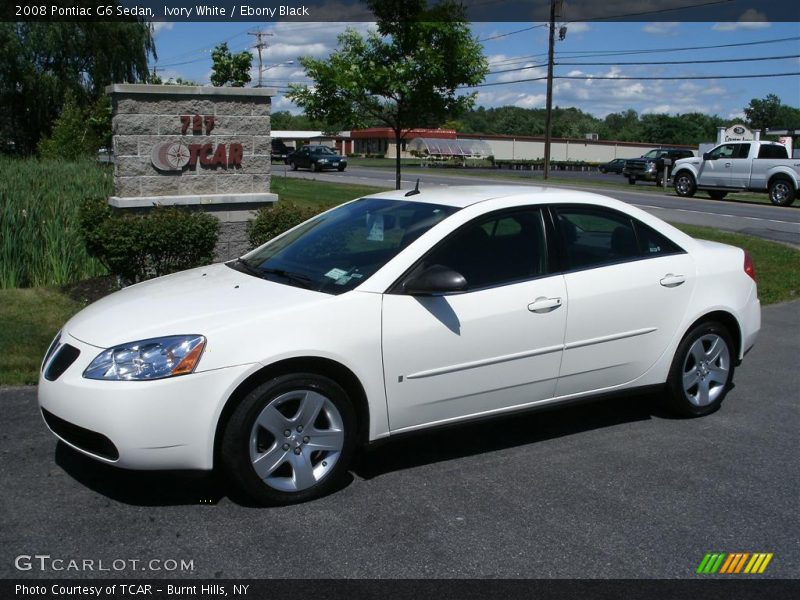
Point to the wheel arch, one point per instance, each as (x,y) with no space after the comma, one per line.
(730,322)
(303,364)
(782,175)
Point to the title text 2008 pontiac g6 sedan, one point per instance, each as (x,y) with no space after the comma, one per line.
(393,313)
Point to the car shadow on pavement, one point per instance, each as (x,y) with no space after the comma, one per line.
(173,488)
(141,488)
(459,441)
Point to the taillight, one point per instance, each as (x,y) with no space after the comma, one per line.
(749,267)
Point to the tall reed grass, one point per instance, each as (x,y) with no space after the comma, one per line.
(40,242)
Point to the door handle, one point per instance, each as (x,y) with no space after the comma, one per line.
(727,165)
(544,305)
(670,280)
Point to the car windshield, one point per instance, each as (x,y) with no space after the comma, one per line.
(653,154)
(322,150)
(340,249)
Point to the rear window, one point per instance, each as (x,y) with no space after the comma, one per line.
(773,151)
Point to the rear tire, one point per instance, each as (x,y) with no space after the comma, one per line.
(290,439)
(781,192)
(702,371)
(685,185)
(293,165)
(716,195)
(315,167)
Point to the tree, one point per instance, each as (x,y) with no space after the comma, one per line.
(78,131)
(40,62)
(761,114)
(230,69)
(156,80)
(407,75)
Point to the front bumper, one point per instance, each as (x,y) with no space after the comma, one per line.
(161,424)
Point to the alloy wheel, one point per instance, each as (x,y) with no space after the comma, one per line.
(706,369)
(296,440)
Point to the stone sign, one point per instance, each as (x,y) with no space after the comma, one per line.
(207,148)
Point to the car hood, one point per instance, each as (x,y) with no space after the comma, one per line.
(200,301)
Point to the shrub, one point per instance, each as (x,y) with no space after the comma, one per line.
(273,220)
(138,247)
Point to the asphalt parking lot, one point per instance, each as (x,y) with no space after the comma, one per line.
(614,489)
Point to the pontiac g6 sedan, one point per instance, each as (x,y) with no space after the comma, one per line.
(393,313)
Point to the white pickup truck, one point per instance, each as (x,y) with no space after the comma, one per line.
(740,166)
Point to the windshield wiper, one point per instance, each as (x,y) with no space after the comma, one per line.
(248,267)
(290,275)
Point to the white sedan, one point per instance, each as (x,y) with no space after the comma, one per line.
(393,313)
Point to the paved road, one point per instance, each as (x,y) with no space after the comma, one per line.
(770,222)
(613,489)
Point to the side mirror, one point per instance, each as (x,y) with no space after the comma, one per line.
(707,156)
(435,280)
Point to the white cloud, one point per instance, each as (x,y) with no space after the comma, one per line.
(750,19)
(578,28)
(159,26)
(665,28)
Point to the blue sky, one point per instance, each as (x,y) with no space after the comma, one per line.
(184,49)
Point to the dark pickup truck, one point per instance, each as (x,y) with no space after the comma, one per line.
(650,166)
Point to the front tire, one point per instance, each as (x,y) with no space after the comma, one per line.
(631,180)
(685,185)
(340,168)
(290,439)
(702,371)
(293,165)
(781,192)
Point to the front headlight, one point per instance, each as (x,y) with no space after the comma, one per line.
(651,166)
(155,358)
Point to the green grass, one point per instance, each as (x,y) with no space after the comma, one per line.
(777,265)
(29,319)
(309,192)
(40,243)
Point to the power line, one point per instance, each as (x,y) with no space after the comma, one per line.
(655,12)
(502,35)
(631,78)
(670,77)
(593,53)
(647,63)
(204,48)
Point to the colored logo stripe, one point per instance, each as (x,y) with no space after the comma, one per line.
(734,562)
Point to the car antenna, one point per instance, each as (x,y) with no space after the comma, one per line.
(415,191)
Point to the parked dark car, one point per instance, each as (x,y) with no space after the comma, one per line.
(279,151)
(613,166)
(650,166)
(316,158)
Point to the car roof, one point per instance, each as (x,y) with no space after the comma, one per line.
(461,196)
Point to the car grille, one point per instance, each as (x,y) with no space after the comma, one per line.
(62,360)
(85,439)
(635,166)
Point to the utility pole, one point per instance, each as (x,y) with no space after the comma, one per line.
(549,106)
(260,46)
